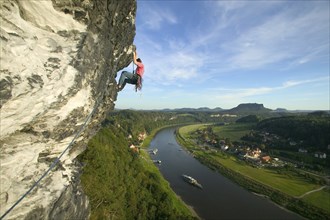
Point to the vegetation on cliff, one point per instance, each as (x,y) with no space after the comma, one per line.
(121,184)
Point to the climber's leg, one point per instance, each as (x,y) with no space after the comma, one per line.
(126,77)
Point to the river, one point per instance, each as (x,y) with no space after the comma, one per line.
(220,198)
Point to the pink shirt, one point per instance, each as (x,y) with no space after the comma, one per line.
(140,69)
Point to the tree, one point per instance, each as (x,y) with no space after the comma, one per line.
(228,142)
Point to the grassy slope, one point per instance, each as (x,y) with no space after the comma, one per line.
(122,185)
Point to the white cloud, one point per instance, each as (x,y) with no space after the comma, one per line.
(226,44)
(172,68)
(252,35)
(287,36)
(169,62)
(239,94)
(292,83)
(154,17)
(232,5)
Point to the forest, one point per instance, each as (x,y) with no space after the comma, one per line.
(313,131)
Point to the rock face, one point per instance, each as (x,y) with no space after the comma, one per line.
(59,59)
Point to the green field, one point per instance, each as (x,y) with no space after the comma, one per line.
(320,199)
(187,129)
(291,185)
(233,131)
(288,183)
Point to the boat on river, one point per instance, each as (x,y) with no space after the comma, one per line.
(157,161)
(154,151)
(192,181)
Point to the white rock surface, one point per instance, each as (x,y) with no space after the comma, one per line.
(27,45)
(48,89)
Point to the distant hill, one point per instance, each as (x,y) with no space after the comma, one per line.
(241,109)
(280,110)
(249,108)
(202,109)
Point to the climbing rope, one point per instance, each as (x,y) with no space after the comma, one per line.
(133,67)
(54,163)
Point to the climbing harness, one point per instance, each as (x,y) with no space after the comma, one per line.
(55,162)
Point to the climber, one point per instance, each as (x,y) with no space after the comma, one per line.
(134,78)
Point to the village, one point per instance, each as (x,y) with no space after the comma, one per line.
(253,148)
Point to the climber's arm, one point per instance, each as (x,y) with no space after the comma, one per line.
(135,57)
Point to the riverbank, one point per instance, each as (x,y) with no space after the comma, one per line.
(145,144)
(232,169)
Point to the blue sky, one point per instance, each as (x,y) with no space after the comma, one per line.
(223,53)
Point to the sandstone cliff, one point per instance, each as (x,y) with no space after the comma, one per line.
(59,59)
